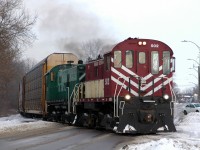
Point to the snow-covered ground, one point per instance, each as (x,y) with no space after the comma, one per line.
(15,123)
(187,136)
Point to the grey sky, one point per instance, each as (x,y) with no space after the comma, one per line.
(170,21)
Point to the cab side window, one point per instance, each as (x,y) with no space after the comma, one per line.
(107,63)
(117,59)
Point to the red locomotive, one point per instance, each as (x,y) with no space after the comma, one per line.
(130,89)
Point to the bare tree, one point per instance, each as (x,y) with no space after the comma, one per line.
(87,50)
(15,33)
(95,48)
(28,64)
(92,48)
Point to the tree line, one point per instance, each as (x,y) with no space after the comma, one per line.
(15,34)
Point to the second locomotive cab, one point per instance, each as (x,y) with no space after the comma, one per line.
(62,82)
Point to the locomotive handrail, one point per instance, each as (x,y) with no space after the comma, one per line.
(121,106)
(74,92)
(116,101)
(172,93)
(171,90)
(68,99)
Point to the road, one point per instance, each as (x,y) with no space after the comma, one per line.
(56,136)
(62,137)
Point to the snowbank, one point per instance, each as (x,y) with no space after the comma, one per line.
(190,125)
(187,136)
(17,123)
(164,144)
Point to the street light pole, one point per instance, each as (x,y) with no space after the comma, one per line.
(198,67)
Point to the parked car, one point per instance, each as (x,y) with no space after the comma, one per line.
(192,107)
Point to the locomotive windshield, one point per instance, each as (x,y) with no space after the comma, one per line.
(166,62)
(129,59)
(142,57)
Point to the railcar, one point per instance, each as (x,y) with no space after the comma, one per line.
(129,90)
(32,93)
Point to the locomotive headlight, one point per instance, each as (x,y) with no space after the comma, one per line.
(166,97)
(140,43)
(127,97)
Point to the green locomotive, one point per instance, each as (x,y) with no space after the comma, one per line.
(62,87)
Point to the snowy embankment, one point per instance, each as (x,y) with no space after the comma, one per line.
(187,136)
(17,123)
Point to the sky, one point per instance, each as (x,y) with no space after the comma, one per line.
(187,136)
(63,23)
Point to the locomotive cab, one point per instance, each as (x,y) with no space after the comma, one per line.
(62,83)
(141,74)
